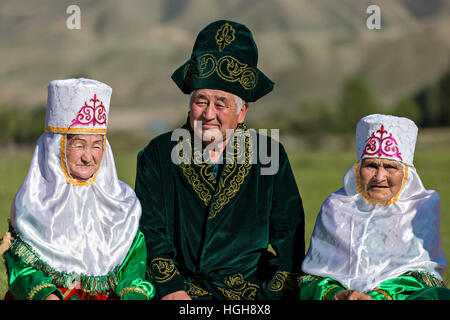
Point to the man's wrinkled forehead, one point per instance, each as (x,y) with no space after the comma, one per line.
(211,95)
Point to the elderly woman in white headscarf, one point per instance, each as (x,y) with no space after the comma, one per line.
(74,223)
(379,236)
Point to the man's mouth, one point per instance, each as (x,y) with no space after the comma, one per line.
(209,125)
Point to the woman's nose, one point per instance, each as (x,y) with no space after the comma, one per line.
(381,174)
(87,155)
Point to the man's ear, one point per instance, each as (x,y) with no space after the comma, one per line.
(243,113)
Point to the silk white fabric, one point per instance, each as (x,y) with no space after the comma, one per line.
(386,136)
(81,229)
(361,244)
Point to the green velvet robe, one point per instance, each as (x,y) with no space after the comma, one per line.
(409,286)
(31,278)
(210,236)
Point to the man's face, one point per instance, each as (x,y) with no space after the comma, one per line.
(84,155)
(381,179)
(212,112)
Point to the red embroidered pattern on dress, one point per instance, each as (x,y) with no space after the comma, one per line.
(380,144)
(95,114)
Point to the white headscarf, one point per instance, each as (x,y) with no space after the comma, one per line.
(75,227)
(361,243)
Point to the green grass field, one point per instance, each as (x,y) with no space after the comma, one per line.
(318,173)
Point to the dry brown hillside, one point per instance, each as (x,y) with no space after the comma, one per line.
(307,47)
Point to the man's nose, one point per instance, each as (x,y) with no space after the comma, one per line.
(210,112)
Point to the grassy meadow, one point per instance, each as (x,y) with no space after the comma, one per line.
(317,172)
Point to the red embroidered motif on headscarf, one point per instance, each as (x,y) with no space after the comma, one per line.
(379,144)
(95,114)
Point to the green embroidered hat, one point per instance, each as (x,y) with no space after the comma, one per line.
(224,57)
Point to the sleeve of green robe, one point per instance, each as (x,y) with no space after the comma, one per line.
(410,285)
(160,253)
(286,232)
(132,284)
(407,286)
(318,288)
(28,283)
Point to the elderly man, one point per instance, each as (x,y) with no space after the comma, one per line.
(217,225)
(379,236)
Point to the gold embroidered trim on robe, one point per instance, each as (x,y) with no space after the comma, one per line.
(195,291)
(201,176)
(239,289)
(283,280)
(163,269)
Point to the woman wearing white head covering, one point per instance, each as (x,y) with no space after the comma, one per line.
(74,223)
(379,236)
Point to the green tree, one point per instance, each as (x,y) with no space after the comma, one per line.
(357,100)
(407,107)
(9,122)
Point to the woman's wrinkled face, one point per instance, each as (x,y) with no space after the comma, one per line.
(381,179)
(84,154)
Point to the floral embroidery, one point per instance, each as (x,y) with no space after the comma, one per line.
(95,114)
(234,174)
(239,289)
(201,175)
(225,36)
(195,291)
(283,280)
(227,68)
(163,269)
(378,145)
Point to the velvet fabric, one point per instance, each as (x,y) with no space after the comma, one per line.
(224,57)
(210,237)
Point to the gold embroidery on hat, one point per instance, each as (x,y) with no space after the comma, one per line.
(227,68)
(224,36)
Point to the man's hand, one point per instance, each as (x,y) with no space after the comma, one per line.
(177,295)
(352,295)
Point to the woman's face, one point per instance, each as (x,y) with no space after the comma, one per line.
(84,154)
(381,179)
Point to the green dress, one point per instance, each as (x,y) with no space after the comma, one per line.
(234,235)
(31,278)
(412,285)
